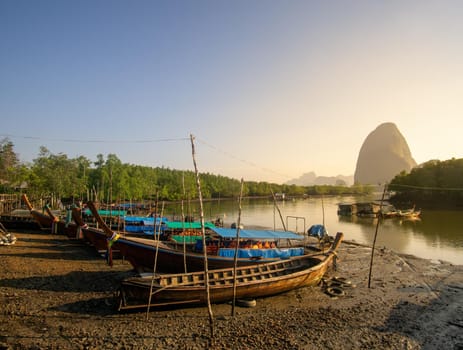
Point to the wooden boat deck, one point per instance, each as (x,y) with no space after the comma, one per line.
(258,280)
(224,277)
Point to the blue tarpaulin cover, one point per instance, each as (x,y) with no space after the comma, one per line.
(147,229)
(143,220)
(318,231)
(256,234)
(284,253)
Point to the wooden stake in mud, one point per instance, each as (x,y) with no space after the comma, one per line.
(376,234)
(203,231)
(279,212)
(323,212)
(235,259)
(183,223)
(157,237)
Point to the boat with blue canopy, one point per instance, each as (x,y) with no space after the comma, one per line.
(253,247)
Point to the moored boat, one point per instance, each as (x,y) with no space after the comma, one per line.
(254,281)
(47,220)
(174,257)
(409,214)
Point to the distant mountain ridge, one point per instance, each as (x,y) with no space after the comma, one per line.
(311,179)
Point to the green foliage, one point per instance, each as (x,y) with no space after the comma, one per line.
(10,172)
(437,184)
(57,174)
(339,190)
(108,179)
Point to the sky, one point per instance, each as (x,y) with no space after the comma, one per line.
(270,90)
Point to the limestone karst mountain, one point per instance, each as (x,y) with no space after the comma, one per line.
(383,155)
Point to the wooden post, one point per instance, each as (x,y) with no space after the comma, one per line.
(183,224)
(235,259)
(323,212)
(155,259)
(376,233)
(279,212)
(157,236)
(203,230)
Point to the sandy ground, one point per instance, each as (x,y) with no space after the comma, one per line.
(59,294)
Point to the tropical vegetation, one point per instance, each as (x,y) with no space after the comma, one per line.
(434,184)
(108,179)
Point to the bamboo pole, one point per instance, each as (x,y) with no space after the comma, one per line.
(206,270)
(183,223)
(323,212)
(235,259)
(279,212)
(157,236)
(155,259)
(376,233)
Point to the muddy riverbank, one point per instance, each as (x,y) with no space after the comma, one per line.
(60,294)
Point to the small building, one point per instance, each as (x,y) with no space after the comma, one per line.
(369,209)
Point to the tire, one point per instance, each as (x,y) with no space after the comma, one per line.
(335,291)
(246,302)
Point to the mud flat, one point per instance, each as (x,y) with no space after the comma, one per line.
(59,294)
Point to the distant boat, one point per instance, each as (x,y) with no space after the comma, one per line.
(388,211)
(409,214)
(253,281)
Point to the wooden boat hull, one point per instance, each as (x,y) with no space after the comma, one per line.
(141,253)
(255,281)
(13,222)
(96,238)
(71,230)
(48,221)
(44,221)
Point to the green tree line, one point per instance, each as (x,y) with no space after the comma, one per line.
(108,179)
(434,184)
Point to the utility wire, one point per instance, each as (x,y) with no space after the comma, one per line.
(229,155)
(125,141)
(96,140)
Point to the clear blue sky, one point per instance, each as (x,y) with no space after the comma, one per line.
(270,89)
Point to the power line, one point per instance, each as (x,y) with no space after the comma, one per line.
(125,141)
(95,140)
(231,156)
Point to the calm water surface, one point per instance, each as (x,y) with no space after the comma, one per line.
(438,235)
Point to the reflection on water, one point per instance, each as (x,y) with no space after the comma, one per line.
(438,235)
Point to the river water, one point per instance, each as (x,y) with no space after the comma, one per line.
(437,236)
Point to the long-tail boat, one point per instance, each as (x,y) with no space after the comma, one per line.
(47,220)
(255,281)
(44,219)
(146,254)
